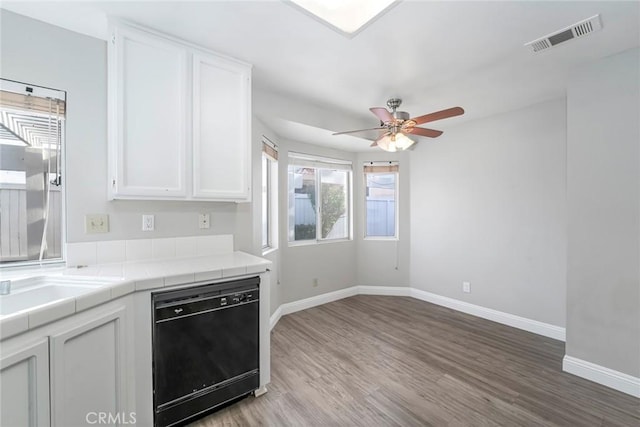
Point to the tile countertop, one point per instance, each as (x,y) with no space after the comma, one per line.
(122,279)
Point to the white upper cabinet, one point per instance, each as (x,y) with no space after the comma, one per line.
(148,88)
(221,128)
(179,120)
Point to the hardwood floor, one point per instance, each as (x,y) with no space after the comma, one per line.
(394,361)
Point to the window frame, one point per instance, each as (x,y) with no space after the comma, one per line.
(271,163)
(324,163)
(45,93)
(396,235)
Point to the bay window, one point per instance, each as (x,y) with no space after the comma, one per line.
(319,198)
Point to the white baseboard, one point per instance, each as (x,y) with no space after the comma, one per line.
(540,328)
(395,291)
(275,317)
(292,307)
(599,374)
(303,304)
(259,392)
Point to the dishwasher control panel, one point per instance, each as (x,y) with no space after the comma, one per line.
(238,298)
(210,299)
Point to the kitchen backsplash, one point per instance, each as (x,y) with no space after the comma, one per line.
(112,251)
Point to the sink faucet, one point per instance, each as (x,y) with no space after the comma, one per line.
(5,287)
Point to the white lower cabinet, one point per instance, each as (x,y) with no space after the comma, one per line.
(72,372)
(88,372)
(24,386)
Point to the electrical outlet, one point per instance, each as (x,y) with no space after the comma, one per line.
(315,282)
(204,220)
(466,287)
(96,223)
(148,222)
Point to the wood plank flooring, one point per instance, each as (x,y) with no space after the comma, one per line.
(394,361)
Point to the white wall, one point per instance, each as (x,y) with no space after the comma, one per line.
(383,262)
(45,55)
(332,263)
(260,129)
(488,206)
(603,289)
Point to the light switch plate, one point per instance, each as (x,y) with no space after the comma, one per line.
(148,222)
(96,223)
(466,287)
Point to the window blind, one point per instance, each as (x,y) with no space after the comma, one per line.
(381,167)
(22,97)
(17,101)
(269,148)
(308,160)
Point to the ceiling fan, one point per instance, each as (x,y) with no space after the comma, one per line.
(397,126)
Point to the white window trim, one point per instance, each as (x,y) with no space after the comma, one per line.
(319,162)
(396,237)
(40,91)
(272,200)
(312,242)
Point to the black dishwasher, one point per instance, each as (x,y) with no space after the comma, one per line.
(205,348)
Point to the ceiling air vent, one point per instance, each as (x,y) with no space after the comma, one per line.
(576,30)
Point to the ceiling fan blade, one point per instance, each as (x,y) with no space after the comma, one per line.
(375,143)
(430,133)
(438,115)
(382,113)
(359,130)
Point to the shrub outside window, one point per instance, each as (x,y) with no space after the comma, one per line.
(319,199)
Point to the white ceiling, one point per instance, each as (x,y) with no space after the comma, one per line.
(434,55)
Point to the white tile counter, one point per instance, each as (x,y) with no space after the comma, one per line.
(120,279)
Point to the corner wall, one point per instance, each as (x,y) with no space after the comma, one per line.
(603,289)
(383,262)
(332,263)
(488,207)
(296,267)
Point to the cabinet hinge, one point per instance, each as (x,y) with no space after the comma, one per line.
(113,39)
(113,183)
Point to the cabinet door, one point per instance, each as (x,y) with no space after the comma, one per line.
(88,372)
(148,116)
(24,386)
(221,129)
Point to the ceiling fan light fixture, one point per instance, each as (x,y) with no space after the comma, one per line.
(403,141)
(387,144)
(395,142)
